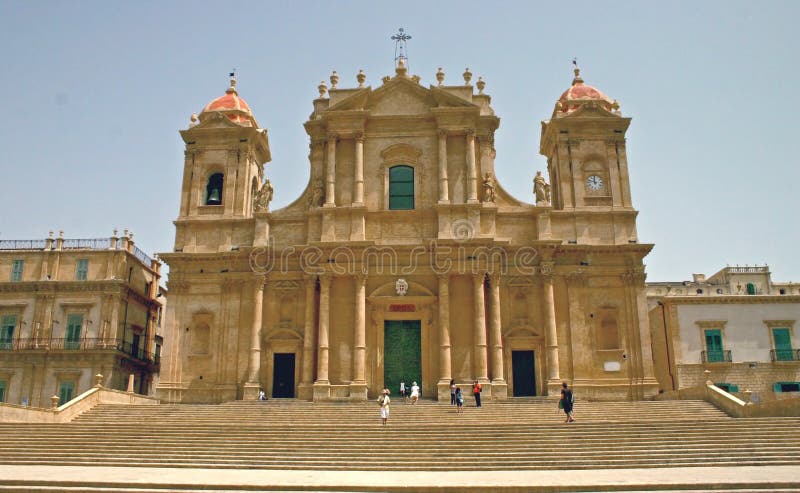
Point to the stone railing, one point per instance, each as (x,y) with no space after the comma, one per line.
(11,413)
(732,405)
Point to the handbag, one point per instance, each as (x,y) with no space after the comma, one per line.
(561,403)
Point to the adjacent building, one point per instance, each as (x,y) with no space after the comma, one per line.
(737,324)
(404,258)
(73,308)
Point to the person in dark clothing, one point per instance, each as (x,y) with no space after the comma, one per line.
(567,399)
(452,392)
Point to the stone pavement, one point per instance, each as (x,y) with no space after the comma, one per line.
(70,478)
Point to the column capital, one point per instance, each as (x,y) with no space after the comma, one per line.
(332,137)
(494,278)
(635,276)
(360,278)
(547,269)
(259,282)
(478,277)
(358,137)
(442,132)
(469,132)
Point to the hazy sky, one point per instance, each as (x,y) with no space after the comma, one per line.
(93,94)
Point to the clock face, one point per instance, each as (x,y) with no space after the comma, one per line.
(594,183)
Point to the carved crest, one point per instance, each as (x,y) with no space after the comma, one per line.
(401,287)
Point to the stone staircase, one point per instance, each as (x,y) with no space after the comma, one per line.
(513,435)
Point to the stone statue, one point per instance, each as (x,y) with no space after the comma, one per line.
(263,197)
(489,188)
(317,195)
(541,189)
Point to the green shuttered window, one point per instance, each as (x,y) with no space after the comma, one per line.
(16,270)
(83,269)
(401,188)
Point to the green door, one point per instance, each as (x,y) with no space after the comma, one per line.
(783,344)
(714,346)
(65,391)
(73,339)
(402,347)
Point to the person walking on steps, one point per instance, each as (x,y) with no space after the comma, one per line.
(459,401)
(414,393)
(476,391)
(383,402)
(453,392)
(566,402)
(403,390)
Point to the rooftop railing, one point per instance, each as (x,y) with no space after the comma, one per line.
(22,244)
(111,243)
(143,257)
(87,243)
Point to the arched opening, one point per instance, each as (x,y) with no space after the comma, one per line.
(214,189)
(401,187)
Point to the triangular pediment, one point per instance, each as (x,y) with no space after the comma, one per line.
(400,96)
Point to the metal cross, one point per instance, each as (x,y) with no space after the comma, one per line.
(400,45)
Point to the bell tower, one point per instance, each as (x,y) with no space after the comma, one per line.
(584,142)
(225,154)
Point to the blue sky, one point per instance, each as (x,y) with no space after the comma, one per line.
(93,94)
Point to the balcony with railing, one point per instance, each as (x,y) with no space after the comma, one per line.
(82,344)
(716,356)
(23,244)
(784,354)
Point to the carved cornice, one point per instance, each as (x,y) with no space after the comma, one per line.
(779,323)
(711,324)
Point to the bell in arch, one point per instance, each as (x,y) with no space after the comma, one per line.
(213,197)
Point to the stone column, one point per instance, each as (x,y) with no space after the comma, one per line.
(331,172)
(496,335)
(358,388)
(358,179)
(309,333)
(322,385)
(253,384)
(480,328)
(472,172)
(445,368)
(551,335)
(443,185)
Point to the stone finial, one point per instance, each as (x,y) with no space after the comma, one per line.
(481,84)
(54,402)
(98,380)
(361,77)
(707,375)
(116,231)
(232,88)
(60,233)
(440,76)
(577,79)
(322,88)
(193,120)
(416,78)
(334,79)
(51,233)
(401,68)
(467,76)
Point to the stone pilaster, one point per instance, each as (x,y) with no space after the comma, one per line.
(472,172)
(322,389)
(445,368)
(305,390)
(499,386)
(358,387)
(358,175)
(480,371)
(253,384)
(551,334)
(444,194)
(330,172)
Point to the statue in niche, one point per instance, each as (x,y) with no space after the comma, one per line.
(541,189)
(263,197)
(317,195)
(489,188)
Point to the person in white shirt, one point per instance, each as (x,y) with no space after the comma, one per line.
(414,393)
(383,402)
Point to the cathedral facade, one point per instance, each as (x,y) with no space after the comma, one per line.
(404,259)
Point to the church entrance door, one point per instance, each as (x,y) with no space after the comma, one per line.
(283,375)
(524,373)
(402,347)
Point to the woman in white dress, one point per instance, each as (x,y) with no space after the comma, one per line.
(414,393)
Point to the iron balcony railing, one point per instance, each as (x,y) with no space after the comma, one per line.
(143,257)
(716,356)
(22,244)
(87,243)
(784,354)
(68,344)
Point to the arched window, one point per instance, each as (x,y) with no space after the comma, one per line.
(214,189)
(401,188)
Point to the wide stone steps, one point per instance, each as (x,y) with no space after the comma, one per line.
(512,435)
